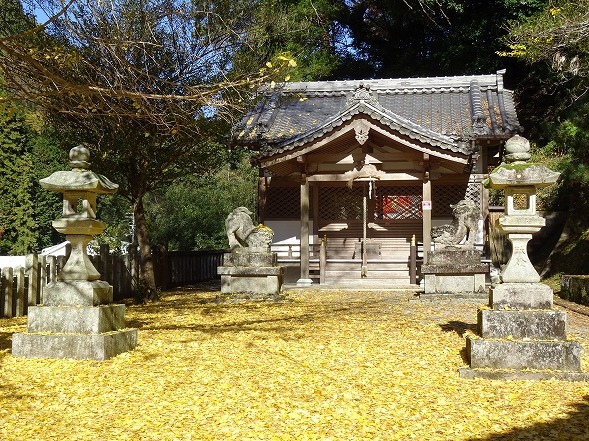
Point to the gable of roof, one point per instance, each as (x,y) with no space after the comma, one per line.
(441,111)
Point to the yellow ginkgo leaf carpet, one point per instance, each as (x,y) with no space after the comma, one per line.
(323,365)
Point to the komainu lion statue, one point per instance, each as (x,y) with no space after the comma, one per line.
(466,218)
(241,231)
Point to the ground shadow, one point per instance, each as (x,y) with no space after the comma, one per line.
(574,426)
(5,343)
(5,340)
(7,389)
(206,286)
(459,327)
(264,324)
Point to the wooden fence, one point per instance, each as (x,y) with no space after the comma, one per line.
(180,268)
(23,287)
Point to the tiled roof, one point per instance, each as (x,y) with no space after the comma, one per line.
(441,111)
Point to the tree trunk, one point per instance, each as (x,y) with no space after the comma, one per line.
(146,273)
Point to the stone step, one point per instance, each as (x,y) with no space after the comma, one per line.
(520,354)
(369,283)
(521,296)
(344,266)
(526,374)
(76,319)
(374,275)
(75,346)
(530,324)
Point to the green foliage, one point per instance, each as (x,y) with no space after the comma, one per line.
(554,42)
(26,210)
(116,212)
(48,157)
(309,31)
(13,18)
(566,149)
(190,214)
(16,206)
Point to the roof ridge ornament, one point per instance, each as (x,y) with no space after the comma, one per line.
(479,121)
(362,129)
(362,93)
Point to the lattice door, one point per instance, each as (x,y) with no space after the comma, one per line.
(398,202)
(445,195)
(283,203)
(340,203)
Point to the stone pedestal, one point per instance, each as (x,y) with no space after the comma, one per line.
(520,336)
(77,321)
(251,274)
(454,271)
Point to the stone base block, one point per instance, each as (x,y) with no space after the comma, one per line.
(518,355)
(454,254)
(76,319)
(75,346)
(304,282)
(454,283)
(250,259)
(251,272)
(491,374)
(77,293)
(521,296)
(534,325)
(478,297)
(264,281)
(456,267)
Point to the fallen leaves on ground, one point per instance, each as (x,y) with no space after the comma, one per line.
(324,365)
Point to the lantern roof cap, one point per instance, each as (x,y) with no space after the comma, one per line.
(80,178)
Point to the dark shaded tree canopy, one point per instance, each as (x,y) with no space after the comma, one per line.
(400,38)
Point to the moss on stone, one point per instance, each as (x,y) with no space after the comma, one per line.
(516,166)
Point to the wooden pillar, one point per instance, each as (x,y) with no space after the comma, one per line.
(32,269)
(304,280)
(413,262)
(427,208)
(20,307)
(480,172)
(7,292)
(315,212)
(263,183)
(322,259)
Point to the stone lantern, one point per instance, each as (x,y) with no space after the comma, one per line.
(77,318)
(520,181)
(520,335)
(79,224)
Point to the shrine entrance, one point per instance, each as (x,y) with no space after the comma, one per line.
(422,144)
(393,220)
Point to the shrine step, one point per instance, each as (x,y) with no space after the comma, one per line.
(369,283)
(377,275)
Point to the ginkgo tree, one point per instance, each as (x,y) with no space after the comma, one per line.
(557,35)
(146,84)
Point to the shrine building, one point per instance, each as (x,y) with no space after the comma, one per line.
(353,172)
